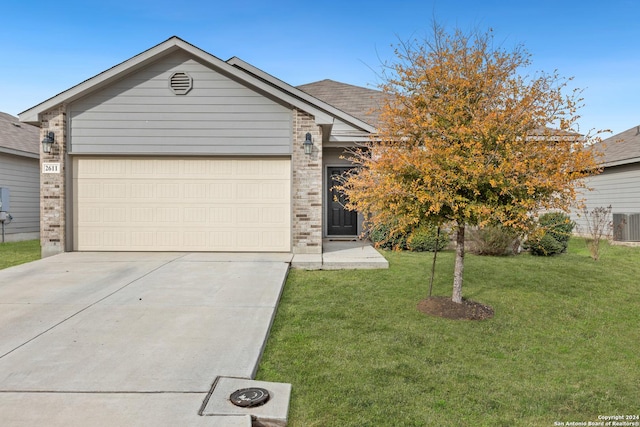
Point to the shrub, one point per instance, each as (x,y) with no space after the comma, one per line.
(554,232)
(558,225)
(381,236)
(546,246)
(493,240)
(599,228)
(425,239)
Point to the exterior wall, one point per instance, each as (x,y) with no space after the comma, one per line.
(53,185)
(341,128)
(617,186)
(22,177)
(307,187)
(141,115)
(331,157)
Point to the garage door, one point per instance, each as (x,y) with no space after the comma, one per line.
(182,204)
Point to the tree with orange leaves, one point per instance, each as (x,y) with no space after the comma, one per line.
(466,140)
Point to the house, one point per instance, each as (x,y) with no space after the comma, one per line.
(617,186)
(178,150)
(19,180)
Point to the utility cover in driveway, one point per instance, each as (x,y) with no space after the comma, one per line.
(249,397)
(272,413)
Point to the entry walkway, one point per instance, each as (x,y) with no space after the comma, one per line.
(342,255)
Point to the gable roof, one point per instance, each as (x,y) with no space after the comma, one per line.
(360,102)
(303,94)
(234,68)
(18,138)
(621,149)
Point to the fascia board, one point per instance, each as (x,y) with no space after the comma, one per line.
(621,162)
(19,153)
(100,80)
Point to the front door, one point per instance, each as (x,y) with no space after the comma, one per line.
(341,222)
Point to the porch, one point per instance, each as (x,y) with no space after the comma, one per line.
(342,254)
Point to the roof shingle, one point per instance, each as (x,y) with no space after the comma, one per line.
(622,148)
(18,136)
(360,102)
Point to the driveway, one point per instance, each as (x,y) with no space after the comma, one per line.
(127,339)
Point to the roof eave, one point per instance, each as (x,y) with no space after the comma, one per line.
(31,115)
(621,162)
(301,95)
(20,153)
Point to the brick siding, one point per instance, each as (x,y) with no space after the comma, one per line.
(307,186)
(52,185)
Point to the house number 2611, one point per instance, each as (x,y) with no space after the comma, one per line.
(51,168)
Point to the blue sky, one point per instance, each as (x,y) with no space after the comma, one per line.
(49,46)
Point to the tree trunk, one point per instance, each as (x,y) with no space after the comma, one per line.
(459,266)
(433,265)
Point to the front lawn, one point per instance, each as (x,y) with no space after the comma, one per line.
(15,253)
(564,345)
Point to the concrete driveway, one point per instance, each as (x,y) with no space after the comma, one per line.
(128,339)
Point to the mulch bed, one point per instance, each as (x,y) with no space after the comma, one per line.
(444,307)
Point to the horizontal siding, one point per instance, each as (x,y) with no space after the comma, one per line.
(616,186)
(342,128)
(22,176)
(141,115)
(332,157)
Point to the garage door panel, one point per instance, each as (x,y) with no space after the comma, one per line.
(251,216)
(210,205)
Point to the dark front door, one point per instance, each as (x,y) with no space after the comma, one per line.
(341,222)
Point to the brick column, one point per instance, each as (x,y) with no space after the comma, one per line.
(52,185)
(307,186)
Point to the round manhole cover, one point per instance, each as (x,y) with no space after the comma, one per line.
(249,397)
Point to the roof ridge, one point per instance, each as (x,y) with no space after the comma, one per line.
(340,83)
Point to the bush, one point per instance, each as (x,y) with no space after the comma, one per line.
(599,229)
(493,240)
(421,239)
(381,236)
(425,239)
(553,235)
(546,246)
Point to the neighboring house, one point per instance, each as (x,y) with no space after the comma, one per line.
(19,179)
(617,186)
(177,150)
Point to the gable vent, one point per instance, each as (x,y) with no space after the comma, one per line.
(180,83)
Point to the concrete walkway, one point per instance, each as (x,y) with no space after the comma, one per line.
(131,339)
(342,255)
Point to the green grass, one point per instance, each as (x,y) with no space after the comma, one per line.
(563,345)
(15,253)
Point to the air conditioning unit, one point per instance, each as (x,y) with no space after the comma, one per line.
(626,227)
